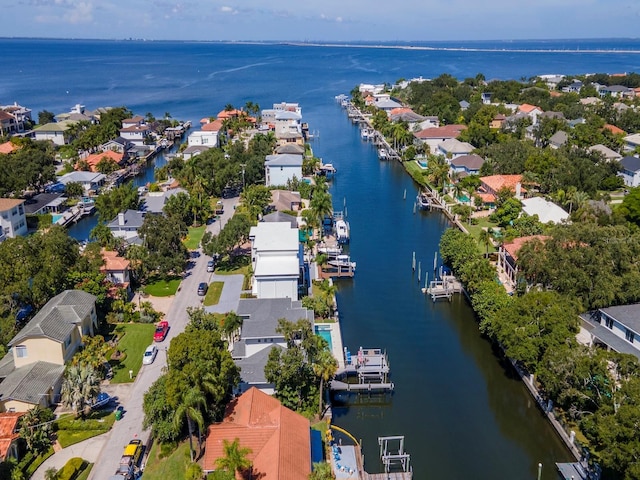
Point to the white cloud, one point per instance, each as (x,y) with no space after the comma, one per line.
(81,12)
(227,9)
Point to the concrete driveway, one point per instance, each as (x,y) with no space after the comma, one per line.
(131,424)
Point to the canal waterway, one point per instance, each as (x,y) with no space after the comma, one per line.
(464,415)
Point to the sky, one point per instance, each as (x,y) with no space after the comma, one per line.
(321,20)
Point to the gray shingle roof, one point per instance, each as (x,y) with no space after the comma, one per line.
(609,338)
(29,383)
(471,162)
(628,315)
(252,368)
(261,315)
(132,219)
(58,317)
(286,159)
(281,217)
(631,164)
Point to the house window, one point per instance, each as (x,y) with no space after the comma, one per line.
(608,321)
(67,342)
(14,212)
(21,351)
(629,335)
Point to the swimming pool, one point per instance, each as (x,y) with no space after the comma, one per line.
(463,198)
(55,217)
(422,163)
(325,332)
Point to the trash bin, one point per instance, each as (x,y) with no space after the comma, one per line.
(118,413)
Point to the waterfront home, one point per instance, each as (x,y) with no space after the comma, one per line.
(55,132)
(405,114)
(193,151)
(9,435)
(276,260)
(452,148)
(630,172)
(43,203)
(135,121)
(118,144)
(605,151)
(207,136)
(286,200)
(90,181)
(370,88)
(492,184)
(558,139)
(116,270)
(290,138)
(108,155)
(31,372)
(508,259)
(138,135)
(547,212)
(279,169)
(384,102)
(258,335)
(22,115)
(465,165)
(631,142)
(13,220)
(279,438)
(436,135)
(126,225)
(615,328)
(292,148)
(154,202)
(280,217)
(286,122)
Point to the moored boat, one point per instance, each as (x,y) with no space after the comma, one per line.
(342,261)
(342,231)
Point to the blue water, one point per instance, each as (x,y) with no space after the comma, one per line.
(463,413)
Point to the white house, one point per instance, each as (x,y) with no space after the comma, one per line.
(90,181)
(281,168)
(630,171)
(286,122)
(56,132)
(126,225)
(276,261)
(13,221)
(208,136)
(631,142)
(548,212)
(136,134)
(616,328)
(605,151)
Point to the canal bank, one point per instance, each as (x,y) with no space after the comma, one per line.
(464,414)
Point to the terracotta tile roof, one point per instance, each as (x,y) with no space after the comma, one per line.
(487,197)
(613,129)
(496,182)
(205,120)
(399,110)
(8,147)
(553,93)
(95,158)
(513,247)
(6,116)
(8,424)
(448,131)
(279,438)
(214,126)
(114,262)
(224,114)
(9,203)
(136,128)
(528,108)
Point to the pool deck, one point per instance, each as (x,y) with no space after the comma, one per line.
(336,342)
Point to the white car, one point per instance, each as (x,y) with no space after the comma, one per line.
(149,355)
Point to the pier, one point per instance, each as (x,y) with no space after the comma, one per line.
(370,366)
(444,288)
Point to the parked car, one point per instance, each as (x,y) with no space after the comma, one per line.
(202,289)
(211,265)
(149,355)
(161,331)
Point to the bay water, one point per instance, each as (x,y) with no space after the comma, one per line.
(463,414)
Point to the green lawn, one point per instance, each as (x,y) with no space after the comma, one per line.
(192,242)
(163,288)
(85,473)
(213,294)
(137,337)
(172,466)
(233,266)
(474,231)
(72,430)
(416,172)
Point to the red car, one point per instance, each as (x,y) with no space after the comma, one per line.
(161,331)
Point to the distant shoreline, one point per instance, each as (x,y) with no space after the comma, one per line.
(390,45)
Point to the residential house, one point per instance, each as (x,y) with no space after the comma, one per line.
(193,151)
(605,151)
(118,144)
(532,111)
(135,121)
(497,121)
(137,134)
(434,136)
(574,87)
(90,181)
(430,121)
(616,91)
(9,435)
(491,185)
(31,372)
(547,212)
(465,165)
(8,124)
(551,80)
(279,438)
(56,132)
(45,203)
(154,202)
(13,221)
(276,260)
(286,200)
(373,89)
(615,328)
(613,129)
(463,105)
(405,114)
(289,107)
(109,155)
(384,102)
(280,217)
(126,225)
(552,115)
(590,101)
(258,336)
(631,142)
(508,258)
(8,147)
(22,115)
(486,97)
(287,122)
(290,148)
(116,269)
(558,139)
(207,136)
(630,172)
(452,148)
(279,169)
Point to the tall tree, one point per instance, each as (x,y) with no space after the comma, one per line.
(189,408)
(235,459)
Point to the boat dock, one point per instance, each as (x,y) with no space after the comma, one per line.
(444,288)
(370,366)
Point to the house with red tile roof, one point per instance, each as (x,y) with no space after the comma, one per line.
(531,110)
(9,435)
(508,257)
(93,159)
(279,438)
(207,136)
(491,185)
(8,147)
(436,135)
(613,129)
(116,269)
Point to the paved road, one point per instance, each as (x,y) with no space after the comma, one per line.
(131,424)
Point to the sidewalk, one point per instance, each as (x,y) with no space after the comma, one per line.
(88,449)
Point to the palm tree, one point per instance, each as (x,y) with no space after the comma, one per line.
(485,238)
(321,205)
(230,325)
(235,457)
(324,368)
(80,387)
(321,471)
(190,408)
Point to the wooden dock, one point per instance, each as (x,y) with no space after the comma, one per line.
(444,288)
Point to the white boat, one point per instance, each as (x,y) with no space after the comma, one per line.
(330,251)
(382,154)
(342,231)
(365,134)
(423,201)
(343,261)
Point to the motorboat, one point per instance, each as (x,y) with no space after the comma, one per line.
(342,261)
(342,231)
(330,251)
